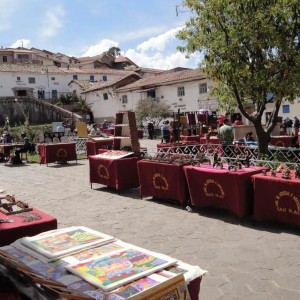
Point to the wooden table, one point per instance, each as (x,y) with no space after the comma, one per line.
(59,152)
(119,174)
(211,187)
(161,180)
(21,227)
(276,199)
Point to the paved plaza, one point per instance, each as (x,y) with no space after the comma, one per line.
(243,261)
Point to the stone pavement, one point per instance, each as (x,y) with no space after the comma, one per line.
(243,261)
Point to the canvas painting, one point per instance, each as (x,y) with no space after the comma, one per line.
(61,242)
(116,269)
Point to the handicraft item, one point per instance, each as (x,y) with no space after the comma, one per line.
(286,173)
(9,205)
(297,172)
(60,242)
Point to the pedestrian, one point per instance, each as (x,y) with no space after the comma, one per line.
(221,120)
(95,131)
(287,125)
(165,132)
(225,133)
(296,126)
(238,121)
(150,130)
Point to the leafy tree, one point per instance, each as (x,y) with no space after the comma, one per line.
(251,48)
(114,51)
(151,110)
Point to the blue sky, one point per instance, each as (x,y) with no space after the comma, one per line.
(144,30)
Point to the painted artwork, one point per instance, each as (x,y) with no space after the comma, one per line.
(95,252)
(111,271)
(65,241)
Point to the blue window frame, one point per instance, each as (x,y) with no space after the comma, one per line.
(286,108)
(104,78)
(92,78)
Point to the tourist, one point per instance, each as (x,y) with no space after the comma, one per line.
(225,133)
(150,130)
(296,126)
(221,120)
(287,125)
(238,121)
(165,132)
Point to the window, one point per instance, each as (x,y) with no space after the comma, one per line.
(31,80)
(23,56)
(105,96)
(52,78)
(4,59)
(92,78)
(180,91)
(104,78)
(124,99)
(75,77)
(202,88)
(286,109)
(18,78)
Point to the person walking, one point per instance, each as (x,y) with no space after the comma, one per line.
(296,126)
(165,132)
(225,133)
(150,130)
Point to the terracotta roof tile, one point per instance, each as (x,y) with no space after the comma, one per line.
(163,79)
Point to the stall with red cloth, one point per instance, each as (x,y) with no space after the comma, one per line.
(93,145)
(276,199)
(220,188)
(190,138)
(281,141)
(25,224)
(211,140)
(162,180)
(109,131)
(119,174)
(59,152)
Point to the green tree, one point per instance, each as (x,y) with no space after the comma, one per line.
(151,110)
(113,51)
(250,48)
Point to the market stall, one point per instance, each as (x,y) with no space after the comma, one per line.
(57,152)
(18,220)
(94,144)
(281,141)
(87,264)
(118,173)
(221,188)
(190,138)
(162,180)
(276,198)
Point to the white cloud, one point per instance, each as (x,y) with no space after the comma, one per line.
(158,60)
(99,48)
(6,13)
(20,43)
(139,33)
(52,21)
(159,42)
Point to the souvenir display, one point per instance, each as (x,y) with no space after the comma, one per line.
(264,172)
(297,172)
(115,154)
(116,269)
(60,242)
(9,205)
(172,158)
(286,173)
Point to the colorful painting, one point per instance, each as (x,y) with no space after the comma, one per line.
(95,252)
(116,269)
(65,241)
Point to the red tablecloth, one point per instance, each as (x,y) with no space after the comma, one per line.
(212,140)
(93,146)
(190,138)
(10,232)
(281,141)
(164,181)
(276,199)
(120,173)
(109,131)
(57,152)
(210,187)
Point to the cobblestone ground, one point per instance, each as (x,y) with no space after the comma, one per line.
(243,261)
